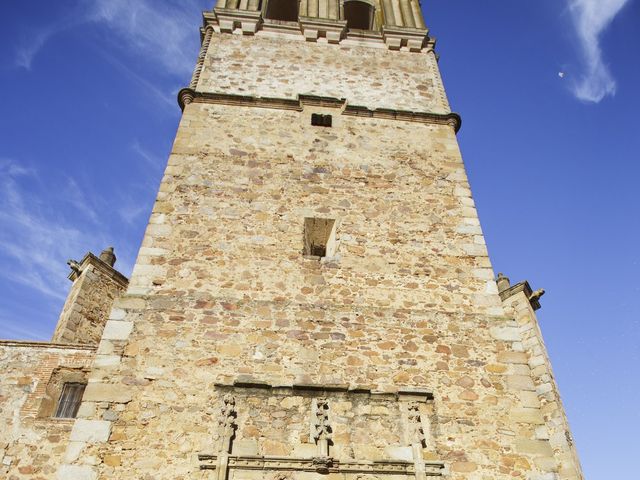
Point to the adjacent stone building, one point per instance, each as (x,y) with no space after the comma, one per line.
(313,296)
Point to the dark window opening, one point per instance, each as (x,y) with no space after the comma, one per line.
(70,399)
(318,250)
(359,15)
(320,120)
(319,237)
(284,10)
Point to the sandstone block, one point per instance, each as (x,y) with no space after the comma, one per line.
(508,334)
(90,431)
(527,415)
(520,382)
(106,392)
(512,357)
(76,472)
(534,447)
(117,330)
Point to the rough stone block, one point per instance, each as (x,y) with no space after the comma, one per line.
(106,392)
(117,330)
(520,382)
(399,453)
(76,472)
(527,415)
(90,431)
(512,357)
(508,334)
(534,447)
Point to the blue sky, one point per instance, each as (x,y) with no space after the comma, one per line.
(548,92)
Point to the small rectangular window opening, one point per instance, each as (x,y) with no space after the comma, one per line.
(320,120)
(70,399)
(319,237)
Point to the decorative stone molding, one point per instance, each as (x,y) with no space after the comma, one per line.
(47,345)
(226,20)
(273,463)
(90,259)
(206,39)
(187,96)
(322,429)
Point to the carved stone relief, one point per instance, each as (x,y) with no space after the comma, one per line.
(287,433)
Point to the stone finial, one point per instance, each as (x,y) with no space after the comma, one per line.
(75,266)
(503,282)
(108,257)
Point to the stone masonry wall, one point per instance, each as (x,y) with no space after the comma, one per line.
(33,445)
(88,304)
(221,293)
(556,428)
(287,66)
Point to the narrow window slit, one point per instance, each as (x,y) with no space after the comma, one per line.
(319,237)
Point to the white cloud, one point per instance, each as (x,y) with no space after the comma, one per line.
(161,31)
(35,239)
(76,197)
(591,19)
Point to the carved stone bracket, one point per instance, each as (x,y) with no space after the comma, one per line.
(314,28)
(412,38)
(230,19)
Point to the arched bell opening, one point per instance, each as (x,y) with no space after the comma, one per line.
(359,15)
(284,10)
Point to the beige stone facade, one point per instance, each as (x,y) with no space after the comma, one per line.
(240,352)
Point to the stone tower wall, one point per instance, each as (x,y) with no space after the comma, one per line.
(85,312)
(235,356)
(368,76)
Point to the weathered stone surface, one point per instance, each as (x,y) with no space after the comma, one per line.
(117,330)
(396,346)
(107,392)
(90,431)
(76,472)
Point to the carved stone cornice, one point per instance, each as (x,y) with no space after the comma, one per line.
(47,345)
(226,20)
(106,269)
(326,465)
(188,95)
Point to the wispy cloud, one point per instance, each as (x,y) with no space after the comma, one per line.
(158,31)
(161,31)
(591,19)
(35,240)
(27,51)
(76,197)
(150,159)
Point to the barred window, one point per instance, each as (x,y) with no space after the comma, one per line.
(70,399)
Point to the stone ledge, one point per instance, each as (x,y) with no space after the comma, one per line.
(59,346)
(188,95)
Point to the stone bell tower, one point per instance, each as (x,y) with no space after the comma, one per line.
(313,296)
